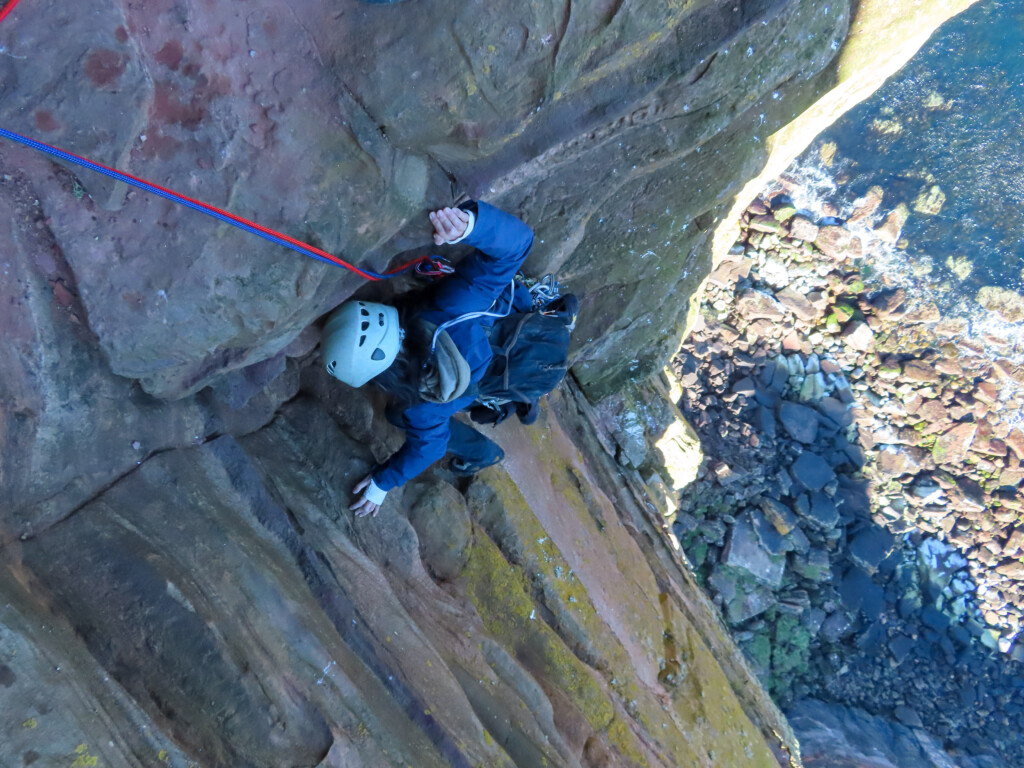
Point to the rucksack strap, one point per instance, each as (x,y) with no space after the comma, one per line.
(504,350)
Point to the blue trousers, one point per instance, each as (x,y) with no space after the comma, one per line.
(475,451)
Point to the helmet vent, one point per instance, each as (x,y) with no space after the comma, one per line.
(380,319)
(363,311)
(331,366)
(378,354)
(362,339)
(364,326)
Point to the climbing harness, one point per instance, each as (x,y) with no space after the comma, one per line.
(425,266)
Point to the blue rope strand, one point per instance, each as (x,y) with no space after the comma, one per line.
(118,176)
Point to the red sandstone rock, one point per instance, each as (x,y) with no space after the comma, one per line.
(920,370)
(868,205)
(987,392)
(890,229)
(754,304)
(838,243)
(798,305)
(1015,442)
(948,366)
(859,336)
(804,229)
(951,447)
(925,313)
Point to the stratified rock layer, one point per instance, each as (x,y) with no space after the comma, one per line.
(238,607)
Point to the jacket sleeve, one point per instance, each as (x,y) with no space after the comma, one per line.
(502,244)
(426,441)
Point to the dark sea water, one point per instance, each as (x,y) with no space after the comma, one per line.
(952,117)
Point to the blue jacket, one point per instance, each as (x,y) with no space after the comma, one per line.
(481,280)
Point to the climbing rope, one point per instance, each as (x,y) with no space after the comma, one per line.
(7,9)
(424,265)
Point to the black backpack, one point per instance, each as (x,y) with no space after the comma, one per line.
(531,351)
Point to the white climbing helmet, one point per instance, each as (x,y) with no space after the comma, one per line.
(360,340)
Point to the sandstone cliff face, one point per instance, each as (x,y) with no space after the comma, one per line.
(182,581)
(342,123)
(221,607)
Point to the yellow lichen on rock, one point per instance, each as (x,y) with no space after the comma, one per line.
(827,152)
(930,200)
(500,592)
(934,101)
(672,698)
(960,266)
(887,127)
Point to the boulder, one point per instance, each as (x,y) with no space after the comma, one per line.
(802,228)
(859,336)
(833,734)
(930,200)
(924,312)
(861,594)
(870,547)
(812,471)
(814,565)
(774,542)
(890,229)
(441,520)
(783,208)
(775,375)
(765,223)
(745,552)
(749,603)
(867,205)
(813,388)
(798,304)
(779,514)
(822,511)
(900,647)
(730,270)
(889,302)
(898,460)
(799,421)
(838,243)
(952,446)
(757,304)
(836,626)
(835,411)
(1012,569)
(922,371)
(1006,303)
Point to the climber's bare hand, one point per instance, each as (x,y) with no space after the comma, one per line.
(364,506)
(449,224)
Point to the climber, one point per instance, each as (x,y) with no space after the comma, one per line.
(431,360)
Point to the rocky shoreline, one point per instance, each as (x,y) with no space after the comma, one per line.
(858,517)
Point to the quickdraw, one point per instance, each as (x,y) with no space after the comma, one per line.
(434,266)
